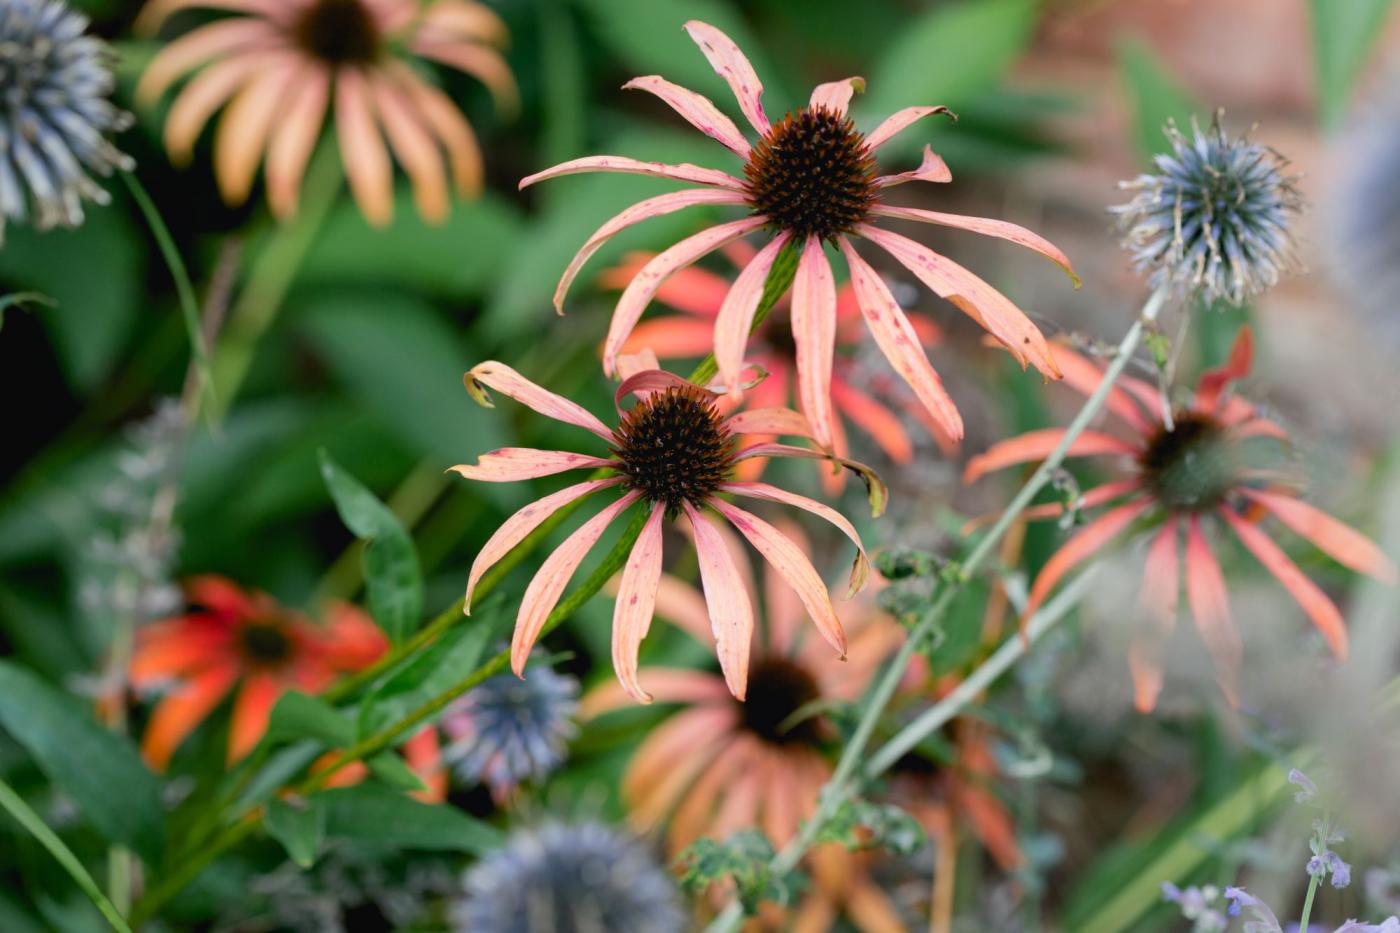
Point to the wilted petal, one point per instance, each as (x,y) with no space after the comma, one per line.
(735,318)
(1085,542)
(734,67)
(626,166)
(447,123)
(860,569)
(898,122)
(508,382)
(932,169)
(836,95)
(814,335)
(697,110)
(1344,544)
(1210,607)
(1037,445)
(875,489)
(986,226)
(726,601)
(636,598)
(510,464)
(1161,586)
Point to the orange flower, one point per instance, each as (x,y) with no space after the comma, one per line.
(281,65)
(1183,475)
(422,752)
(241,640)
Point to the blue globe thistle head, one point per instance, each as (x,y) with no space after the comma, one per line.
(567,878)
(1213,221)
(55,115)
(510,729)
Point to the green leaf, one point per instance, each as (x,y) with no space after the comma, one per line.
(300,826)
(395,772)
(744,859)
(1344,32)
(392,573)
(376,814)
(98,768)
(299,716)
(861,824)
(1156,97)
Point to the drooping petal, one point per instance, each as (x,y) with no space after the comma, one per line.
(899,343)
(636,599)
(640,290)
(875,490)
(1210,607)
(727,602)
(245,126)
(974,297)
(772,421)
(814,336)
(836,95)
(516,528)
(252,708)
(899,121)
(735,318)
(986,226)
(548,584)
(1214,382)
(734,67)
(1037,445)
(414,147)
(1084,542)
(447,123)
(293,139)
(695,291)
(509,464)
(875,419)
(658,206)
(508,382)
(696,109)
(198,47)
(663,685)
(932,169)
(687,730)
(1320,609)
(362,150)
(206,93)
(608,163)
(1084,377)
(860,568)
(464,20)
(706,738)
(184,708)
(693,814)
(1342,543)
(481,62)
(788,560)
(1161,587)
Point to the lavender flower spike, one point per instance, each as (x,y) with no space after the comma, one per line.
(1308,791)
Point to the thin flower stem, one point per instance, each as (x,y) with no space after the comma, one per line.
(31,821)
(1324,831)
(1308,903)
(838,788)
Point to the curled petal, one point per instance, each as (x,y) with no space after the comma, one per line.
(510,383)
(932,168)
(509,464)
(1210,607)
(770,421)
(697,110)
(726,601)
(875,490)
(1037,445)
(1085,542)
(814,336)
(626,166)
(734,67)
(1161,585)
(986,226)
(1344,544)
(543,593)
(860,569)
(636,598)
(899,121)
(1214,382)
(645,382)
(836,95)
(736,315)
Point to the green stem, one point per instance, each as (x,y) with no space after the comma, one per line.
(26,817)
(840,786)
(1324,831)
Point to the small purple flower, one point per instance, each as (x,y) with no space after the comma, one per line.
(1196,905)
(1308,790)
(1264,919)
(1388,925)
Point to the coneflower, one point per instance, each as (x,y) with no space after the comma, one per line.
(55,115)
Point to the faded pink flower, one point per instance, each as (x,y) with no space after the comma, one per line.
(810,179)
(281,65)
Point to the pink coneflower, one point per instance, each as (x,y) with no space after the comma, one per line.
(1184,474)
(281,65)
(675,453)
(810,179)
(868,399)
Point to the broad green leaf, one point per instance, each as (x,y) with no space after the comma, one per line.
(393,576)
(1344,32)
(299,716)
(1155,96)
(392,770)
(299,826)
(375,814)
(98,768)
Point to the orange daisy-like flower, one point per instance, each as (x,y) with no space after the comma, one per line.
(282,65)
(243,640)
(863,397)
(675,453)
(1185,473)
(810,179)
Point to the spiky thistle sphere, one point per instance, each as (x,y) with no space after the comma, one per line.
(1213,220)
(562,878)
(55,115)
(510,729)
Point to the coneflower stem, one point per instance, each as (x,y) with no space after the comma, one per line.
(842,784)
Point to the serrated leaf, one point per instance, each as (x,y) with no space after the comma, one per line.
(376,814)
(393,575)
(299,716)
(99,769)
(299,826)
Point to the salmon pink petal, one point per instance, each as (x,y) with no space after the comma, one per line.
(670,338)
(244,129)
(771,421)
(221,595)
(734,67)
(1214,382)
(1344,544)
(632,364)
(989,820)
(446,122)
(647,381)
(1037,445)
(692,817)
(518,527)
(424,756)
(726,601)
(663,685)
(548,584)
(252,709)
(814,335)
(480,61)
(175,653)
(1260,427)
(696,109)
(367,165)
(636,598)
(875,490)
(735,318)
(154,14)
(836,95)
(1091,499)
(207,92)
(198,47)
(352,641)
(1210,607)
(607,163)
(464,20)
(652,207)
(1320,609)
(899,121)
(509,464)
(899,343)
(860,569)
(1161,586)
(666,764)
(640,290)
(1084,543)
(874,419)
(415,148)
(786,558)
(508,382)
(293,139)
(974,297)
(1084,377)
(695,291)
(184,708)
(683,606)
(1013,233)
(932,168)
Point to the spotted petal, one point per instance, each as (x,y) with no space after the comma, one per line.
(734,67)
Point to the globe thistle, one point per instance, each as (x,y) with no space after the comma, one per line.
(1213,221)
(55,115)
(585,878)
(509,729)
